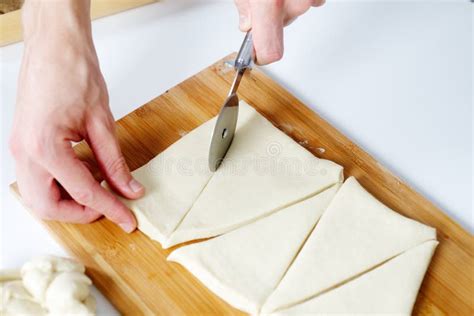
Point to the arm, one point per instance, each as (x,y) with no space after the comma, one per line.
(267,18)
(62,97)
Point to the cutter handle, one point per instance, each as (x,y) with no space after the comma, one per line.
(246,53)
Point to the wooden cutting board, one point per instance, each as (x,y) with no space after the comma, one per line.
(132,271)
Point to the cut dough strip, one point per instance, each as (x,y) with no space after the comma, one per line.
(356,233)
(244,266)
(389,289)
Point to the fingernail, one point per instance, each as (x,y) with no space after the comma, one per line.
(127,227)
(135,186)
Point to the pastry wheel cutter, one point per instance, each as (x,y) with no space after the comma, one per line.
(227,119)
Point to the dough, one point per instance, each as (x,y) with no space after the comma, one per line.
(38,273)
(244,266)
(48,286)
(263,171)
(69,294)
(15,299)
(355,234)
(389,289)
(173,180)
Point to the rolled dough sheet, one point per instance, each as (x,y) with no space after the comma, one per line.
(355,234)
(263,171)
(389,289)
(244,266)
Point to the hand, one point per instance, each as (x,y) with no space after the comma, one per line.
(62,97)
(267,18)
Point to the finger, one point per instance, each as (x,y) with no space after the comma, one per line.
(318,3)
(298,7)
(267,30)
(70,211)
(82,187)
(245,22)
(42,195)
(288,21)
(294,9)
(104,144)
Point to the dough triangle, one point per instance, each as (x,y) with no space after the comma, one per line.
(263,171)
(173,180)
(356,233)
(390,289)
(244,266)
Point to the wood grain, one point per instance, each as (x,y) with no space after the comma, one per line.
(132,271)
(10,23)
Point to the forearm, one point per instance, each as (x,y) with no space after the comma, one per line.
(62,97)
(56,22)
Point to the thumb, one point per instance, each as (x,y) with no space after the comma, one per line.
(103,142)
(245,22)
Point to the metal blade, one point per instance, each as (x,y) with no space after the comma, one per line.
(227,119)
(223,131)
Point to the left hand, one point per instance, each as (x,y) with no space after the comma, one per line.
(267,18)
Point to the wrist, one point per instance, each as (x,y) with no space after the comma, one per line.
(59,22)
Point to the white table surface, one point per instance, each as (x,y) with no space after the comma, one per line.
(394,77)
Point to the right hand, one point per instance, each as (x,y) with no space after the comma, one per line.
(62,98)
(267,18)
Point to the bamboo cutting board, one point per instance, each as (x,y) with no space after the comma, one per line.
(132,270)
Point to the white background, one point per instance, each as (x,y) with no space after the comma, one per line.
(395,77)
